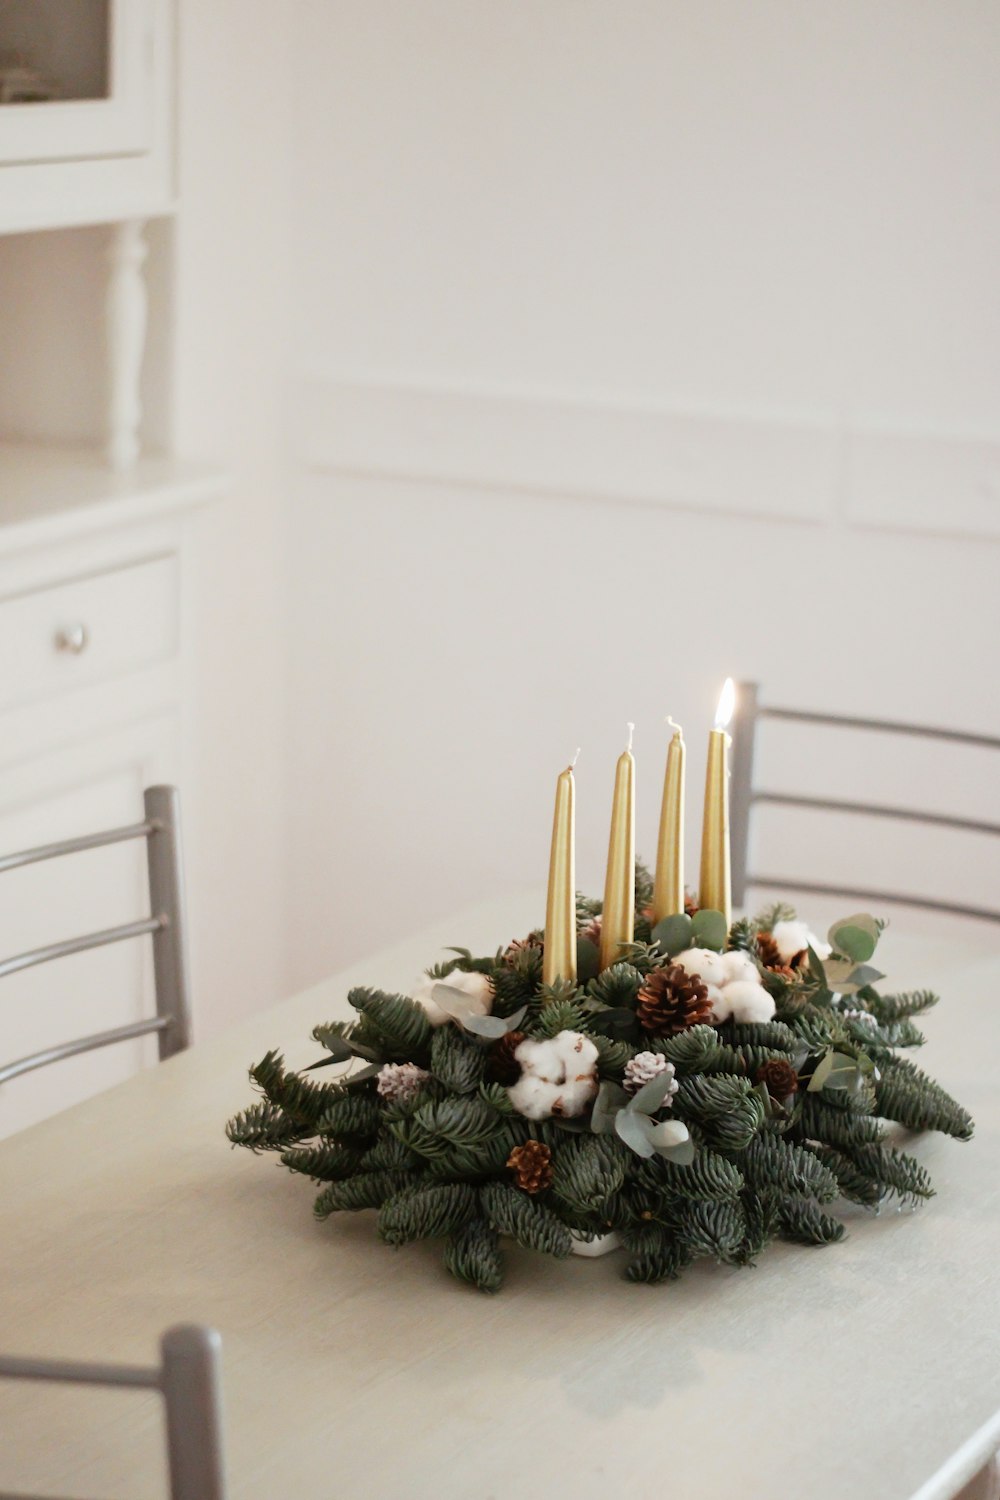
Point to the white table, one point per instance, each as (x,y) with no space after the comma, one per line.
(869,1368)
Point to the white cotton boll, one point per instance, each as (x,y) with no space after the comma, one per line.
(739,965)
(792,937)
(703,962)
(574,1096)
(541,1059)
(532,1097)
(720,1008)
(476,986)
(747,1002)
(577,1052)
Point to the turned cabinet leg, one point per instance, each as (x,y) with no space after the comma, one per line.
(125,325)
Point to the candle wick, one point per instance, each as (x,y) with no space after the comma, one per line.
(674,726)
(572,764)
(631,731)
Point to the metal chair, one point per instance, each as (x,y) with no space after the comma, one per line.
(745,796)
(172,1022)
(190,1381)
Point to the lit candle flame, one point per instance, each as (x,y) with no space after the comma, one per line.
(727,702)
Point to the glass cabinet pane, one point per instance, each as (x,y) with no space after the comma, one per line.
(54,50)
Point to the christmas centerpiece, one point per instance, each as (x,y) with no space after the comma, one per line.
(643,1072)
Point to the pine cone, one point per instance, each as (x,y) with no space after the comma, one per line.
(671,1000)
(518,945)
(643,1068)
(591,931)
(771,958)
(779,1078)
(532,1166)
(501,1064)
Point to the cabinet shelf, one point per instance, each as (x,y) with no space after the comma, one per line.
(48,493)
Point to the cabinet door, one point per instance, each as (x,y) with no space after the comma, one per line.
(92,786)
(95,59)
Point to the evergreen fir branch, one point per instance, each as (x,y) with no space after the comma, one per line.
(710,1177)
(854,1183)
(556,1016)
(641,956)
(803,1222)
(486,1158)
(778,911)
(400,1023)
(456,1061)
(366,1190)
(389,1155)
(743,937)
(511,990)
(772,1163)
(264,1127)
(822,1121)
(473,1255)
(426,1212)
(657,1254)
(612,1056)
(760,1215)
(773,1034)
(586,1172)
(326,1162)
(496,1096)
(332,1031)
(448,1124)
(877,1039)
(302,1100)
(906,1094)
(354,1115)
(712,1229)
(745,1061)
(643,885)
(898,1007)
(689,1051)
(616,986)
(525,1219)
(900,1173)
(727,1110)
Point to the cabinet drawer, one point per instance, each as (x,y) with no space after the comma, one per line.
(69,635)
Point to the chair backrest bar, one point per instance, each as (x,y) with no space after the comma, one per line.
(744,796)
(79,945)
(166,895)
(190,1381)
(90,1043)
(74,846)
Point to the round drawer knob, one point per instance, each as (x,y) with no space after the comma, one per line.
(72,638)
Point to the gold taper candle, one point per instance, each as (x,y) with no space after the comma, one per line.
(668,887)
(618,919)
(559,957)
(714,886)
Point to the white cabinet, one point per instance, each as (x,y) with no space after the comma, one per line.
(85,111)
(95,673)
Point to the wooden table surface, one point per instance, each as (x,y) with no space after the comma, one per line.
(869,1369)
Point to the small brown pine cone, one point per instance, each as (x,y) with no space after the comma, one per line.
(779,1078)
(591,931)
(771,958)
(518,945)
(501,1064)
(691,907)
(671,1000)
(532,1166)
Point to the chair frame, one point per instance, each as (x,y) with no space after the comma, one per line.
(744,796)
(172,1023)
(190,1381)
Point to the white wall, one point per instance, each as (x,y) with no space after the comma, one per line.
(635,344)
(230,331)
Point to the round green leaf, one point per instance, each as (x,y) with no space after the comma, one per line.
(673,934)
(709,930)
(854,942)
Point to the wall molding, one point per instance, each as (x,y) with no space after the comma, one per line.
(807,471)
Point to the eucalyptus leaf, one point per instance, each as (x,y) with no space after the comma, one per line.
(836,1071)
(490,1027)
(339,1052)
(611,1097)
(668,1135)
(682,1154)
(362,1075)
(820,1074)
(853,942)
(864,974)
(673,934)
(709,930)
(454,1002)
(650,1097)
(634,1129)
(588,960)
(863,921)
